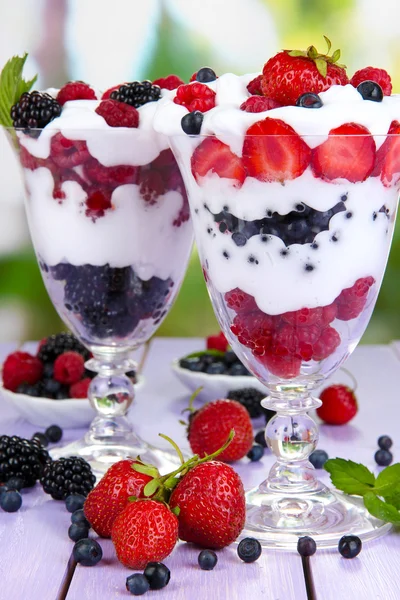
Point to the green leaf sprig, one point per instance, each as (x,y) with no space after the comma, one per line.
(381,494)
(12,86)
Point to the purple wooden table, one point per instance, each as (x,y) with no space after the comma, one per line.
(35,551)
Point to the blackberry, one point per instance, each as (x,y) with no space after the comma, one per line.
(59,343)
(137,93)
(25,459)
(66,476)
(34,110)
(54,433)
(250,398)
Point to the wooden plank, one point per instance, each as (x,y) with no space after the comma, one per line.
(275,575)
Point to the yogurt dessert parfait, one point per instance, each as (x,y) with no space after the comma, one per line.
(292,177)
(109,220)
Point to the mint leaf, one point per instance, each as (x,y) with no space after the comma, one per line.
(380,509)
(394,497)
(12,86)
(387,481)
(350,477)
(212,352)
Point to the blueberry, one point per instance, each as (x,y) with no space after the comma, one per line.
(205,75)
(74,502)
(207,560)
(385,442)
(318,458)
(297,229)
(349,546)
(238,369)
(87,552)
(216,368)
(239,239)
(78,516)
(256,452)
(11,501)
(48,370)
(3,489)
(137,584)
(306,546)
(77,531)
(191,123)
(51,387)
(259,438)
(41,438)
(370,90)
(15,483)
(191,364)
(53,433)
(383,458)
(309,100)
(157,574)
(230,358)
(249,549)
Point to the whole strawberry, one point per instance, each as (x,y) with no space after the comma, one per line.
(291,73)
(110,496)
(146,530)
(217,342)
(211,503)
(339,405)
(209,427)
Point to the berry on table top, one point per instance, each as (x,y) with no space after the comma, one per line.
(74,502)
(195,96)
(157,574)
(349,546)
(10,501)
(53,433)
(87,552)
(250,398)
(78,516)
(306,546)
(385,442)
(383,458)
(256,453)
(339,405)
(21,367)
(75,90)
(318,458)
(41,438)
(171,82)
(66,476)
(249,549)
(118,114)
(207,560)
(25,459)
(77,531)
(217,342)
(15,483)
(137,584)
(379,76)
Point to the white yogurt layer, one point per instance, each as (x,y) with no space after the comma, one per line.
(133,233)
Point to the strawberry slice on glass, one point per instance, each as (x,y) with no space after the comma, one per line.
(214,156)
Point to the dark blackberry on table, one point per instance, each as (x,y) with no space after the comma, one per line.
(318,458)
(137,93)
(66,476)
(25,459)
(250,398)
(41,438)
(34,110)
(54,433)
(59,343)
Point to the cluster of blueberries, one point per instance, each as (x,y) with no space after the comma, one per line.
(214,364)
(111,301)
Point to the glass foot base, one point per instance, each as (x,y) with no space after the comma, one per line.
(278,519)
(101,455)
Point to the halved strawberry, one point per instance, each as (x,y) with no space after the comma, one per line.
(387,163)
(272,151)
(348,153)
(215,156)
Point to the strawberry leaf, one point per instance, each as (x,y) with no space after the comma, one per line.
(146,470)
(151,487)
(350,477)
(328,43)
(12,86)
(380,509)
(176,510)
(212,352)
(335,56)
(322,66)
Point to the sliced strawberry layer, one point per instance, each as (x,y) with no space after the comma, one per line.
(348,153)
(272,151)
(387,163)
(214,156)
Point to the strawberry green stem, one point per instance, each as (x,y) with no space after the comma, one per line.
(178,450)
(192,399)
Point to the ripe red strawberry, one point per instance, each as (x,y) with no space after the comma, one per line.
(348,153)
(195,96)
(254,87)
(80,388)
(351,301)
(212,505)
(118,114)
(110,496)
(380,76)
(21,367)
(272,151)
(169,83)
(214,156)
(209,427)
(291,73)
(256,104)
(339,405)
(69,367)
(217,342)
(75,90)
(145,531)
(387,163)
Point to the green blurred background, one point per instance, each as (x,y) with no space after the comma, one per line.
(176,36)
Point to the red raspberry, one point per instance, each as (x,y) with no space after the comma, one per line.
(110,176)
(327,343)
(151,184)
(118,114)
(285,367)
(98,201)
(256,104)
(217,342)
(303,317)
(164,160)
(329,313)
(28,161)
(68,153)
(351,301)
(339,405)
(106,95)
(169,83)
(195,96)
(21,367)
(184,213)
(240,301)
(80,388)
(254,330)
(75,90)
(69,367)
(380,76)
(307,337)
(61,177)
(285,340)
(254,87)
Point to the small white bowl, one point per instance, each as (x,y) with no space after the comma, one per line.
(70,412)
(214,386)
